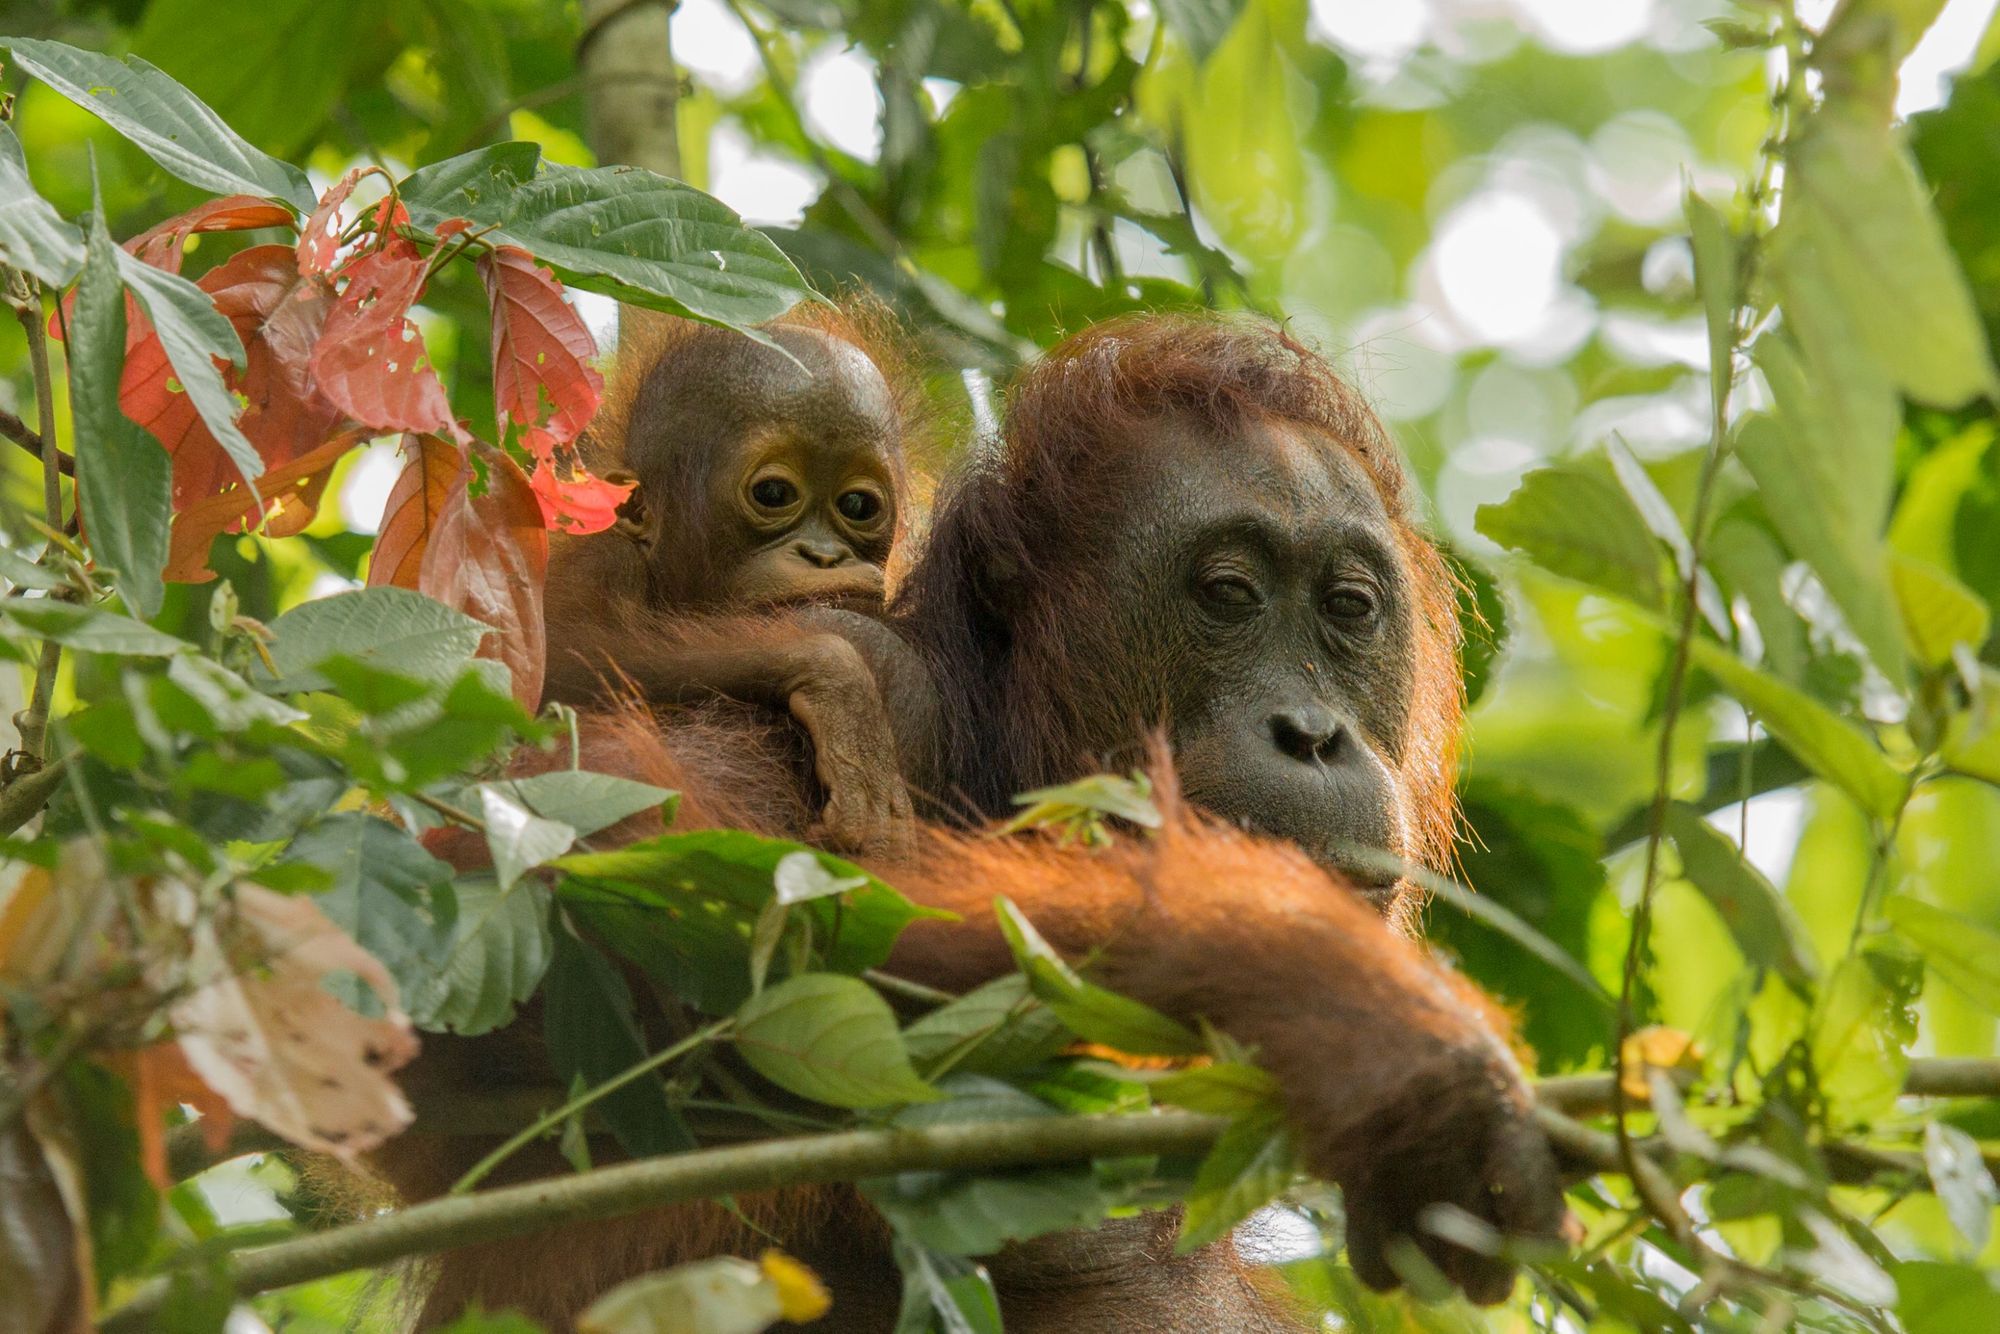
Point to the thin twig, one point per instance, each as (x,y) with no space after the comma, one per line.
(608,1192)
(18,431)
(23,799)
(596,1093)
(33,721)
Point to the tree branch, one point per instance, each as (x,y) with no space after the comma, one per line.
(1929,1077)
(540,1206)
(33,721)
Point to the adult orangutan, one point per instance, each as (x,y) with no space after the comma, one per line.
(765,476)
(1195,530)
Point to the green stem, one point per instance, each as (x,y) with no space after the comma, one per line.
(550,1121)
(607,1192)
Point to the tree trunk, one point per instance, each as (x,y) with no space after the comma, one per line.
(630,84)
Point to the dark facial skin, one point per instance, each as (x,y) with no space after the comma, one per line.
(795,461)
(1264,593)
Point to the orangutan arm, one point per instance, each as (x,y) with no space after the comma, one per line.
(1400,1087)
(816,675)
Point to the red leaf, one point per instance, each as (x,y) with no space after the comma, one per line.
(164,245)
(540,345)
(291,494)
(278,315)
(585,504)
(488,557)
(321,237)
(370,359)
(416,504)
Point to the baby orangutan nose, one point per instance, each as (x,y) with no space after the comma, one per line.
(824,555)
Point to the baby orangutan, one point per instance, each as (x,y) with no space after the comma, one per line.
(766,478)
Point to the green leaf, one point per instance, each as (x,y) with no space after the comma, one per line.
(24,573)
(34,238)
(518,840)
(1963,1184)
(1759,919)
(383,889)
(1718,262)
(593,1036)
(195,336)
(683,906)
(584,801)
(954,1290)
(626,233)
(995,1029)
(1963,952)
(89,629)
(1227,1088)
(977,1215)
(1861,1033)
(1088,1010)
(173,126)
(1939,612)
(1825,467)
(1255,1159)
(1827,744)
(1202,24)
(1859,241)
(124,478)
(1578,523)
(1935,1298)
(1078,809)
(1897,24)
(498,950)
(391,628)
(831,1039)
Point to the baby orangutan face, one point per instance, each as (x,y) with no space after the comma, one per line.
(783,472)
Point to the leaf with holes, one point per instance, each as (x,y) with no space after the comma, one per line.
(416,505)
(488,558)
(541,347)
(164,244)
(277,317)
(831,1039)
(319,239)
(370,359)
(577,506)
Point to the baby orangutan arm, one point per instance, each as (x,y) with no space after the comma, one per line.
(816,676)
(1398,1084)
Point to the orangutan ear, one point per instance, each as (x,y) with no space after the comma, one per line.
(631,520)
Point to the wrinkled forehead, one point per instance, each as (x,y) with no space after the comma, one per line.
(1298,475)
(737,385)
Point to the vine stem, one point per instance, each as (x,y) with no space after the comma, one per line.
(606,1192)
(1787,108)
(596,1093)
(33,721)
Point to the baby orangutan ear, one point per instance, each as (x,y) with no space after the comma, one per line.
(631,520)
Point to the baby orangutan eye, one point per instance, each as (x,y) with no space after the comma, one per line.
(774,493)
(859,506)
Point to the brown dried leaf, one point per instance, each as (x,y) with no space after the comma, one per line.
(45,1286)
(264,1033)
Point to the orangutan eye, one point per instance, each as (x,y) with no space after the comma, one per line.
(1348,604)
(1230,590)
(774,493)
(859,506)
